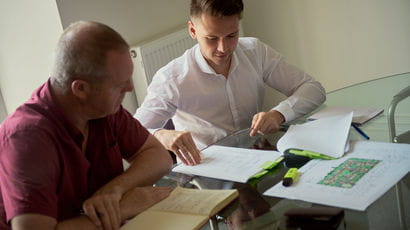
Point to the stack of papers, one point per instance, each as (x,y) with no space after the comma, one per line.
(328,136)
(360,114)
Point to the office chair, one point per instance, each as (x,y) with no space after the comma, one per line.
(404,137)
(398,138)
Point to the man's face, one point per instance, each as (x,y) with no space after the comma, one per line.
(107,95)
(217,38)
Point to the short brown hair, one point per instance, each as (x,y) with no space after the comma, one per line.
(82,52)
(217,8)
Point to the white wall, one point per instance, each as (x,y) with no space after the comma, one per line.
(29,32)
(340,42)
(135,20)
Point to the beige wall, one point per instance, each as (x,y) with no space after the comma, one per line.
(29,32)
(339,42)
(135,20)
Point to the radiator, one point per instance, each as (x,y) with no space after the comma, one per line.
(150,56)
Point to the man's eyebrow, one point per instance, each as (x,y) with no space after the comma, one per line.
(211,35)
(234,33)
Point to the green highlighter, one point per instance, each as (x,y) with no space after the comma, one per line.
(290,177)
(269,165)
(310,154)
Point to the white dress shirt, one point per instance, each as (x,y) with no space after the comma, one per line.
(211,106)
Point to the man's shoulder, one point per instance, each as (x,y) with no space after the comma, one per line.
(178,66)
(248,42)
(29,119)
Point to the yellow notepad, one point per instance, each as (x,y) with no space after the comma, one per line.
(184,208)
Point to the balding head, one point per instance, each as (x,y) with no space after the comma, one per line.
(82,52)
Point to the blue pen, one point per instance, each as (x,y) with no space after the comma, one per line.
(360,131)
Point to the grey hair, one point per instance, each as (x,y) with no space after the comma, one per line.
(81,52)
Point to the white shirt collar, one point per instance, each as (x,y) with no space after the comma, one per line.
(206,68)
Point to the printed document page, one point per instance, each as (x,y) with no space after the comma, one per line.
(326,136)
(354,181)
(229,163)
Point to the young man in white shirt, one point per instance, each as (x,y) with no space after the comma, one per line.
(217,87)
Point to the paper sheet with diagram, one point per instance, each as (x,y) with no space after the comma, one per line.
(229,163)
(354,181)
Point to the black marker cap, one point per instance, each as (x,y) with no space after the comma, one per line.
(287,181)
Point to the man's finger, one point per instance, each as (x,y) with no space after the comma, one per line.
(92,214)
(104,217)
(175,150)
(195,153)
(257,128)
(112,213)
(187,155)
(255,124)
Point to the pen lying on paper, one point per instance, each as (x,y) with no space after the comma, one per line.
(360,131)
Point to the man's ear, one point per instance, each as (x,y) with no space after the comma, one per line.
(191,28)
(80,88)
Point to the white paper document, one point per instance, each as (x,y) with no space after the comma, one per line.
(229,163)
(360,114)
(326,136)
(354,181)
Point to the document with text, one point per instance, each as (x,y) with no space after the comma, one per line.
(229,163)
(354,181)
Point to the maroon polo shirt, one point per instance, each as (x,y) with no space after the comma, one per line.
(42,167)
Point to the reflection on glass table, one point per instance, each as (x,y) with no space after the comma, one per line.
(253,210)
(376,93)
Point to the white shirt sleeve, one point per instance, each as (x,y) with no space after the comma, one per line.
(160,103)
(304,93)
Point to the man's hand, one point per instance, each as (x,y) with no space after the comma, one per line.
(133,202)
(139,199)
(266,122)
(103,208)
(181,144)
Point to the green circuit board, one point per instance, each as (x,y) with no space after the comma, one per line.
(348,173)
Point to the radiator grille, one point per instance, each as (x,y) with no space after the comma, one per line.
(155,54)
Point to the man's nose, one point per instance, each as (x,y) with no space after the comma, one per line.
(222,45)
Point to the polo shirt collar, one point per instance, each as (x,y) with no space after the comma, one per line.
(56,112)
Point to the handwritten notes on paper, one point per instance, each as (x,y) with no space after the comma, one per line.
(192,201)
(184,208)
(229,163)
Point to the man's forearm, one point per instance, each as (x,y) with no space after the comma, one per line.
(149,166)
(39,221)
(146,167)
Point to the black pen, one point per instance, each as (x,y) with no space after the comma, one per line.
(360,131)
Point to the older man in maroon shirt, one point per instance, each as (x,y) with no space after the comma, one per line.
(61,152)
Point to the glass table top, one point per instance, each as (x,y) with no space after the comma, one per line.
(255,211)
